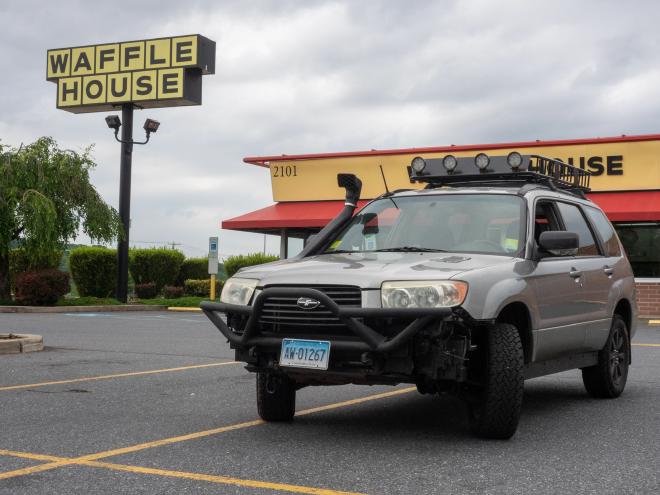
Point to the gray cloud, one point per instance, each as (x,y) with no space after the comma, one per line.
(321,76)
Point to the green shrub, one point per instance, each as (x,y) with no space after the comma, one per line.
(201,288)
(197,269)
(42,287)
(94,271)
(19,262)
(172,292)
(146,291)
(235,263)
(160,266)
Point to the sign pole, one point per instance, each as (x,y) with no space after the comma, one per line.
(125,199)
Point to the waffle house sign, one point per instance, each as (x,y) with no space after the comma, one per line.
(160,72)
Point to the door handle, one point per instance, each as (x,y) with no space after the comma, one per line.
(575,273)
(608,270)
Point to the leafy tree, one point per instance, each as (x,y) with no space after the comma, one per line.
(45,199)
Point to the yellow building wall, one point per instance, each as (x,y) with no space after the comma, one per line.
(618,166)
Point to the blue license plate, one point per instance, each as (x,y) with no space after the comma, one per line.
(300,353)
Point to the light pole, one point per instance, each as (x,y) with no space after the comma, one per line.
(127,143)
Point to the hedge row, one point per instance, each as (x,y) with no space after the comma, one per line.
(157,266)
(20,263)
(94,270)
(235,263)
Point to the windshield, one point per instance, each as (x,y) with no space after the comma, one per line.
(465,223)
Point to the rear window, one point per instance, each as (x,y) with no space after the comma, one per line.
(605,231)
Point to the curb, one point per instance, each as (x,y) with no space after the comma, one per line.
(182,309)
(82,309)
(13,343)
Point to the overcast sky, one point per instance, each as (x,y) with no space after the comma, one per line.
(322,76)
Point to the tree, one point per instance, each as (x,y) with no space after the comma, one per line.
(45,199)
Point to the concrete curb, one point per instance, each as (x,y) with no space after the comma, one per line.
(82,309)
(14,343)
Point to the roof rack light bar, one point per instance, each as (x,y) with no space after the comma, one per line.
(513,168)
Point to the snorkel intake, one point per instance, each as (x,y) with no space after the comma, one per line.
(353,186)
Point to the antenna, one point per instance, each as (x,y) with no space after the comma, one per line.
(387,190)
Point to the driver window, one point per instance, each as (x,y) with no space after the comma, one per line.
(545,219)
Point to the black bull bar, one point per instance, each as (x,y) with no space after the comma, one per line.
(369,339)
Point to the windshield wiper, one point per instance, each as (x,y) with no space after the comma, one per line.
(411,249)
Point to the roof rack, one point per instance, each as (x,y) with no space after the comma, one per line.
(524,171)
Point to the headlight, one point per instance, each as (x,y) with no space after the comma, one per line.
(481,161)
(449,162)
(514,159)
(238,291)
(423,294)
(418,164)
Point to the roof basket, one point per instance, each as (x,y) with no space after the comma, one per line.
(511,170)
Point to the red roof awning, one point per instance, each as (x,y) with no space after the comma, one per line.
(629,206)
(302,214)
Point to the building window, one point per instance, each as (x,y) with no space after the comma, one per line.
(642,244)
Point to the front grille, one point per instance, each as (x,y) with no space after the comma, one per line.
(282,315)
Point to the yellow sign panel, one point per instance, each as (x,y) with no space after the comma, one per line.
(156,72)
(616,166)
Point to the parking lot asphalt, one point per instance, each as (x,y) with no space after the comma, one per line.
(153,403)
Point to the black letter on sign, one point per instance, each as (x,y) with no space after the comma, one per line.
(152,56)
(183,52)
(58,62)
(170,83)
(124,87)
(105,58)
(130,52)
(98,89)
(144,85)
(595,163)
(70,91)
(82,61)
(614,165)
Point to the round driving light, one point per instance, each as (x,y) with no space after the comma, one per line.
(418,164)
(481,161)
(449,162)
(514,159)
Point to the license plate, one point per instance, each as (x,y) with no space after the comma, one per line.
(301,353)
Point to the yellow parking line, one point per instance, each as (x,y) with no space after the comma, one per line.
(117,375)
(647,345)
(654,322)
(238,426)
(225,480)
(91,460)
(184,309)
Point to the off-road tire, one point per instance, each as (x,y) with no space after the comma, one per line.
(497,412)
(607,379)
(276,401)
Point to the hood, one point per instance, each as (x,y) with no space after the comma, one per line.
(369,270)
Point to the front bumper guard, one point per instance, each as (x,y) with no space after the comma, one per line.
(369,339)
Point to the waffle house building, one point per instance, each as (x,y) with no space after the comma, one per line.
(625,183)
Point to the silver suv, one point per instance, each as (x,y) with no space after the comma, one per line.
(497,271)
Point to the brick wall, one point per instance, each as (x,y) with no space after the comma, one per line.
(648,298)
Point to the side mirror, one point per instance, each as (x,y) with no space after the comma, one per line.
(559,242)
(369,224)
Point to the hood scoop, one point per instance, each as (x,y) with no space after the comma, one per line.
(453,259)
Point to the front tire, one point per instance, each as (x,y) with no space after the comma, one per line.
(497,412)
(607,379)
(276,397)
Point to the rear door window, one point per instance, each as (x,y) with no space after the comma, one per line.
(605,231)
(574,221)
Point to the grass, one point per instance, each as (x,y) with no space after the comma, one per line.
(187,301)
(87,301)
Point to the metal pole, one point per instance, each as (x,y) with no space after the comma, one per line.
(213,287)
(125,200)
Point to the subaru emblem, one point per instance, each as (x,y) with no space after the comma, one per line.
(308,303)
